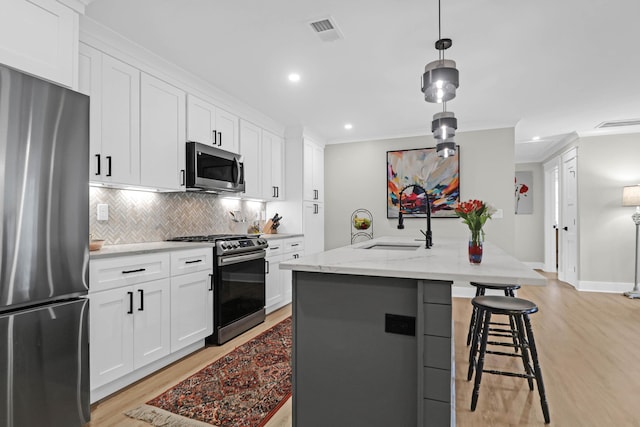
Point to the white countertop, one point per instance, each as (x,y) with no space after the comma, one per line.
(279,236)
(108,251)
(446,260)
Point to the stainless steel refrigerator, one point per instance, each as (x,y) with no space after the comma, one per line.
(44,256)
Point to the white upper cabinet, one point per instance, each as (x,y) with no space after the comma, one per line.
(250,149)
(313,172)
(114,88)
(211,125)
(40,37)
(162,134)
(272,166)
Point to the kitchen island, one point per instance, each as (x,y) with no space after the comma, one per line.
(372,327)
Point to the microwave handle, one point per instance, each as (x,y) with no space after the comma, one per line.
(237,163)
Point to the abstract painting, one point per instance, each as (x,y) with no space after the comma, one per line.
(523,193)
(422,166)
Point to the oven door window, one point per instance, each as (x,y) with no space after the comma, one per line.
(240,290)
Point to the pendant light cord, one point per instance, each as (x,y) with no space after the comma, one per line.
(439,23)
(440,51)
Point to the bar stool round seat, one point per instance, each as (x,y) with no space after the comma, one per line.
(504,305)
(518,310)
(481,288)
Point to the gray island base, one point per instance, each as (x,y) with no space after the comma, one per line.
(372,331)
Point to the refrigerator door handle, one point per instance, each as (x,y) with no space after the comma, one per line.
(141,292)
(130,302)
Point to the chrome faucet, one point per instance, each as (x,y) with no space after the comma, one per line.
(428,237)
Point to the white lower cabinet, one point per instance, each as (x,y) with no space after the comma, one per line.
(191,309)
(146,311)
(129,328)
(278,282)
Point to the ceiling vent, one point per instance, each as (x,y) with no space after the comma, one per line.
(618,123)
(326,29)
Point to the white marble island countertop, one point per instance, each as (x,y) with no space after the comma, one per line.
(408,258)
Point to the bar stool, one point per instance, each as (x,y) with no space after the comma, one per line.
(518,310)
(480,290)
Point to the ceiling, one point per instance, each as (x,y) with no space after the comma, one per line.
(551,69)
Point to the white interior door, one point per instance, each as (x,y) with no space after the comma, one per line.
(551,214)
(568,258)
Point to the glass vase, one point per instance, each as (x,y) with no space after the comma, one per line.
(475,247)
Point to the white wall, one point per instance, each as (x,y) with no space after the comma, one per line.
(607,232)
(355,177)
(529,228)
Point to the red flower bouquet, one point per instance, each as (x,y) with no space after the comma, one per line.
(475,214)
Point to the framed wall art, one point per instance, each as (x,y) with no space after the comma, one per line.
(523,194)
(422,167)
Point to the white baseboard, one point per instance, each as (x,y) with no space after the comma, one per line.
(608,287)
(535,265)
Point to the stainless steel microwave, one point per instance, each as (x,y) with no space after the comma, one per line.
(212,169)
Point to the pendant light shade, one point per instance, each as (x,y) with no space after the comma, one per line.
(444,127)
(440,81)
(446,149)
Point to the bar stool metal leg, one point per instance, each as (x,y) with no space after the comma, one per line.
(483,348)
(474,316)
(537,370)
(524,350)
(475,342)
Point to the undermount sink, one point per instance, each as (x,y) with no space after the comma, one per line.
(393,246)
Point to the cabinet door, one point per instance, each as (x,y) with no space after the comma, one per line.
(120,122)
(227,126)
(313,227)
(90,83)
(250,148)
(201,121)
(318,173)
(151,325)
(274,292)
(273,166)
(39,37)
(110,335)
(308,192)
(191,309)
(162,134)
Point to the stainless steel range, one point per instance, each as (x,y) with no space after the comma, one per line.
(238,282)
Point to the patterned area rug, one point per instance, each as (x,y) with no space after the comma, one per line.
(241,389)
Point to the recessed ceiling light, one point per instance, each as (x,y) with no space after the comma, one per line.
(536,138)
(348,126)
(294,77)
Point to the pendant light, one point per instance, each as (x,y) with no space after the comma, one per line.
(440,78)
(439,84)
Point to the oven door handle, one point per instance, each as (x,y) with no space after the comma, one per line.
(237,165)
(235,259)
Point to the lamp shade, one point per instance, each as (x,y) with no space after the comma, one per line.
(631,195)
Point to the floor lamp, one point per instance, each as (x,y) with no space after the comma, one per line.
(631,197)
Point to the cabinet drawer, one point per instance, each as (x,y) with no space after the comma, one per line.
(437,384)
(191,261)
(437,293)
(437,320)
(294,245)
(437,352)
(110,273)
(276,247)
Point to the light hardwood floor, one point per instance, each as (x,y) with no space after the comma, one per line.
(589,348)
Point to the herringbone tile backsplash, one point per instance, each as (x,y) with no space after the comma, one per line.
(138,216)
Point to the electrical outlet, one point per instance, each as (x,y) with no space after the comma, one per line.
(103,212)
(498,214)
